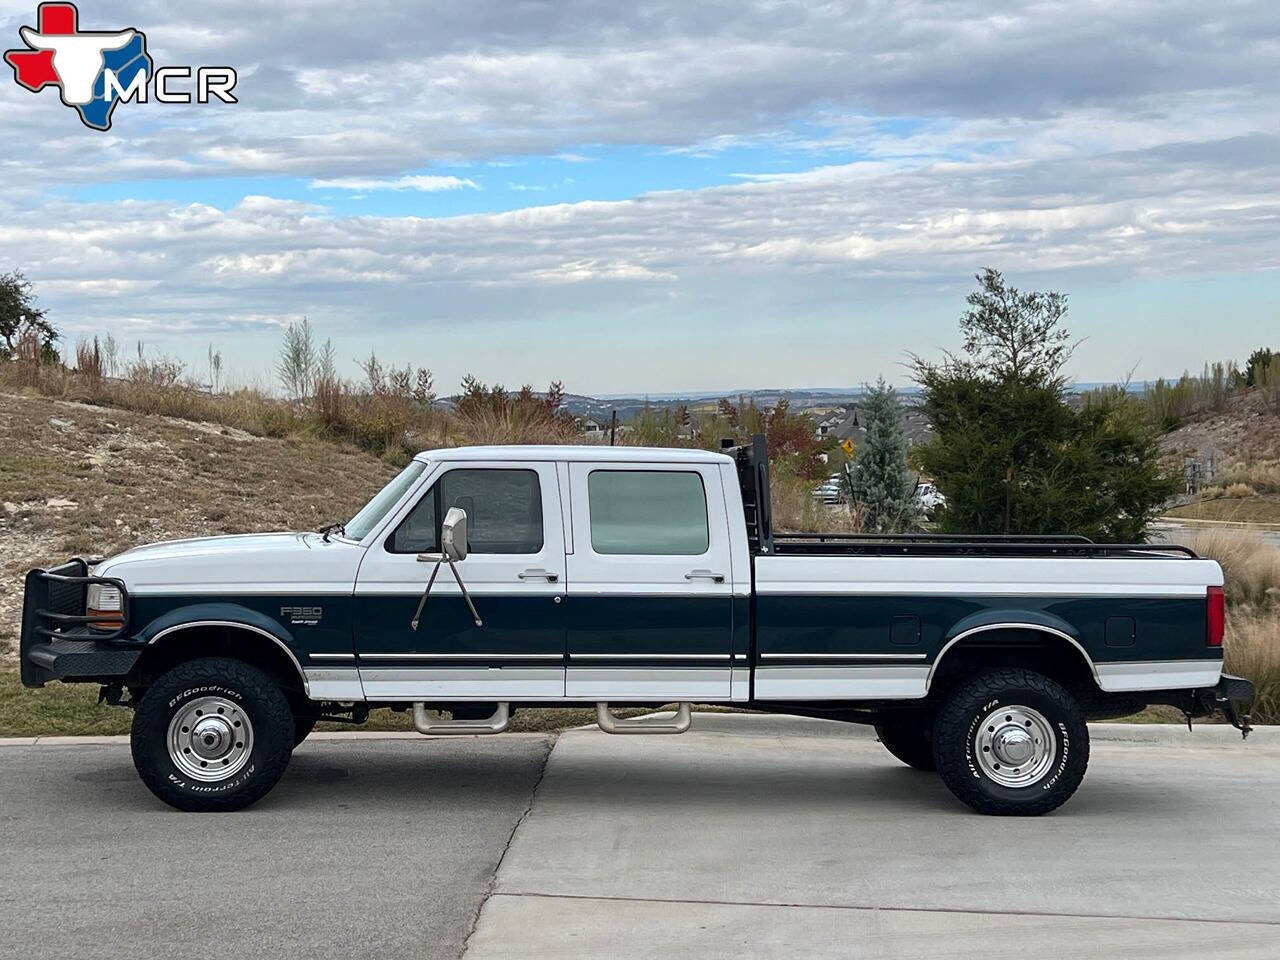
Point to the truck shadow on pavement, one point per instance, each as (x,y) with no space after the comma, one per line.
(407,775)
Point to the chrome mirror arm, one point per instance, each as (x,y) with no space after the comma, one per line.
(439,559)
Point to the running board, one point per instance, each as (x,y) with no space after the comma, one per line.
(460,728)
(611,724)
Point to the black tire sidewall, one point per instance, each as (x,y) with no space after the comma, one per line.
(250,689)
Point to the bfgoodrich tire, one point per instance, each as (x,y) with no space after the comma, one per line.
(909,737)
(1011,743)
(212,734)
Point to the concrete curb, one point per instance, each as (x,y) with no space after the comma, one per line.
(743,724)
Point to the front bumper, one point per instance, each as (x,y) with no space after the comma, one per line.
(57,641)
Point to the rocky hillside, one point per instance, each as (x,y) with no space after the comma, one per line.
(79,480)
(1246,431)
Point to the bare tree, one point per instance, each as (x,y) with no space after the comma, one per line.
(375,377)
(297,364)
(215,368)
(110,356)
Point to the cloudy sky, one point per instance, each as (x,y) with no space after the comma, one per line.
(654,197)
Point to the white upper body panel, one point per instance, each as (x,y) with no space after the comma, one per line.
(987,576)
(260,563)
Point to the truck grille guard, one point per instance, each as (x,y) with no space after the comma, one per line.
(54,608)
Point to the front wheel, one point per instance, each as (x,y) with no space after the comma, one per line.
(1011,742)
(212,734)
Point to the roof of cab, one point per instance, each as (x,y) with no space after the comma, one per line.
(577,453)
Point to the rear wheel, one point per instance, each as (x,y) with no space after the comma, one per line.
(1011,742)
(212,734)
(909,737)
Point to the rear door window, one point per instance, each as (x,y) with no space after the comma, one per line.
(647,512)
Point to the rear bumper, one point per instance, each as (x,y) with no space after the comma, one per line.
(1234,688)
(1224,698)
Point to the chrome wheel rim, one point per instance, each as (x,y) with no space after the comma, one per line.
(210,739)
(1015,746)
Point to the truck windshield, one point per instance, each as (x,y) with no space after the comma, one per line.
(371,513)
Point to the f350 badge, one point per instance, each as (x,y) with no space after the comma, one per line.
(302,616)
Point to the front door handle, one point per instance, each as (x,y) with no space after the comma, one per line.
(705,575)
(537,573)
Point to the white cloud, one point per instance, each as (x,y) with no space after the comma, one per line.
(1069,141)
(426,183)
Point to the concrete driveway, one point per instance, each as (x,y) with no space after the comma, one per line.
(749,837)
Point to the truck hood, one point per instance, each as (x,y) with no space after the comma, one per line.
(255,563)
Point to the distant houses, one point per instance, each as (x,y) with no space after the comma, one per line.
(843,424)
(596,429)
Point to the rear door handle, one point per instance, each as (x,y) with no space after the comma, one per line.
(705,575)
(537,573)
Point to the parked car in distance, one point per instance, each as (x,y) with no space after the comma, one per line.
(832,490)
(930,497)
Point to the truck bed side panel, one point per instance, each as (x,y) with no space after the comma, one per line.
(831,626)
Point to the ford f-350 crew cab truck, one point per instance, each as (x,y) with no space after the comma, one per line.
(483,580)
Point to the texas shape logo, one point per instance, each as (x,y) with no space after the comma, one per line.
(94,70)
(91,68)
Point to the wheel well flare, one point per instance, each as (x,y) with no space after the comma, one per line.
(1047,650)
(238,641)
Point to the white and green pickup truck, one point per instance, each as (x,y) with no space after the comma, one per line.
(485,580)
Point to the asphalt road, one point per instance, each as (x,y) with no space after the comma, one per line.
(366,849)
(749,837)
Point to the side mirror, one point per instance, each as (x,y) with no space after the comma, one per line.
(453,534)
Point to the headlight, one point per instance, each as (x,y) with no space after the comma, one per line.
(103,600)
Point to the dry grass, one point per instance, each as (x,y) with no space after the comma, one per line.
(1248,510)
(388,423)
(1262,475)
(1251,572)
(1253,651)
(1238,491)
(1250,565)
